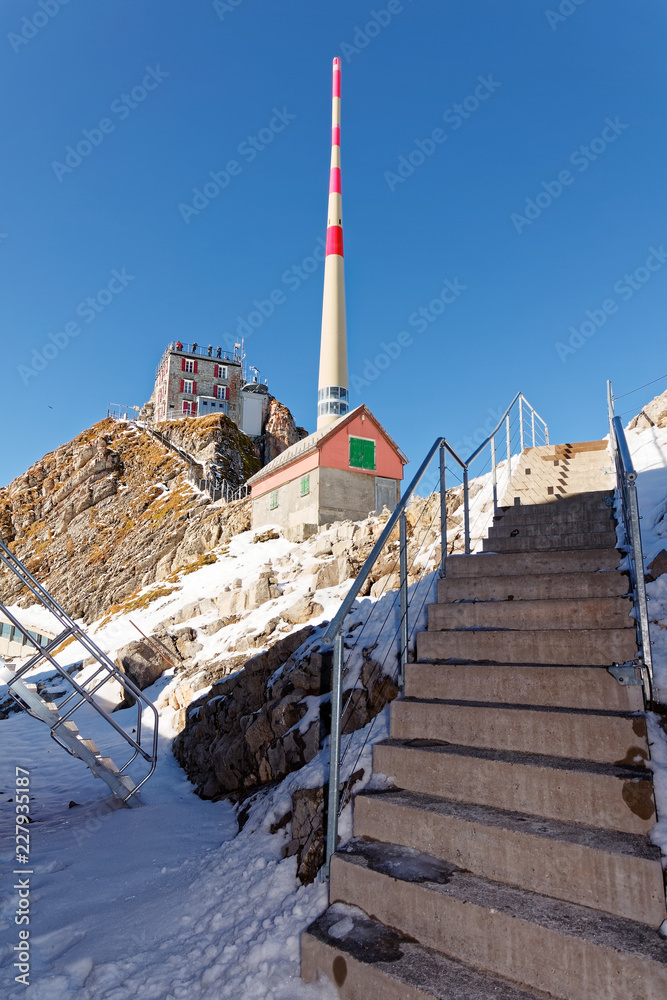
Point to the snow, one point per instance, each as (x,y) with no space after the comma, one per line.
(162,901)
(171,900)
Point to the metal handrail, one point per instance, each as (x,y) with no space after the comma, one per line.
(334,633)
(626,489)
(106,666)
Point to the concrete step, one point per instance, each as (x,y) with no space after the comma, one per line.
(517,496)
(607,737)
(366,959)
(537,586)
(561,613)
(528,563)
(618,873)
(566,647)
(514,684)
(543,543)
(525,517)
(574,791)
(588,503)
(547,528)
(570,448)
(570,951)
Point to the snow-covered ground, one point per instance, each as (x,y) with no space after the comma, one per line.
(169,900)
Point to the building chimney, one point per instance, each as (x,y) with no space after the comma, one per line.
(332,396)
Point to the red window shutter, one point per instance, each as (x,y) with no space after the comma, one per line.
(226,391)
(217,371)
(195,367)
(182,366)
(194,384)
(182,386)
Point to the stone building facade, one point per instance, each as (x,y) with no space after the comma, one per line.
(193,381)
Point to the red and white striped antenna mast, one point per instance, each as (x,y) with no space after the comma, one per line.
(333,388)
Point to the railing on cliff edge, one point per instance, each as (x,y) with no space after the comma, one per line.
(626,493)
(214,484)
(520,426)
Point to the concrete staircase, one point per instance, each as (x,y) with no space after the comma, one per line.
(511,858)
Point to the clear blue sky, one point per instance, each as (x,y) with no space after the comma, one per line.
(218,72)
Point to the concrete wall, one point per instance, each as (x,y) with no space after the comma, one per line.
(334,495)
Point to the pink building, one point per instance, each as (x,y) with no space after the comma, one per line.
(341,472)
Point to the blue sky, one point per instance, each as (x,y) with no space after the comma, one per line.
(532,87)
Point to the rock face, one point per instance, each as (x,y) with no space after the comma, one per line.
(111,512)
(652,415)
(280,431)
(265,721)
(215,440)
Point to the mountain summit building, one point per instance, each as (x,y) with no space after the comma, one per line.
(341,472)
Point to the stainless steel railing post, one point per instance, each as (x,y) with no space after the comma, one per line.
(521,421)
(334,753)
(640,582)
(443,511)
(466,512)
(403,568)
(494,478)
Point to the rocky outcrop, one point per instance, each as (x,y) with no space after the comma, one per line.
(270,718)
(216,442)
(654,414)
(142,662)
(109,513)
(280,431)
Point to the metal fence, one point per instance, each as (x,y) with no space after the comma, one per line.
(519,427)
(626,492)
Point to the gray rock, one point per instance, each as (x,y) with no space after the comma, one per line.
(141,662)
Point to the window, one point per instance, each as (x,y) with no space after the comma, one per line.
(221,371)
(188,366)
(273,500)
(362,453)
(305,486)
(187,385)
(221,391)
